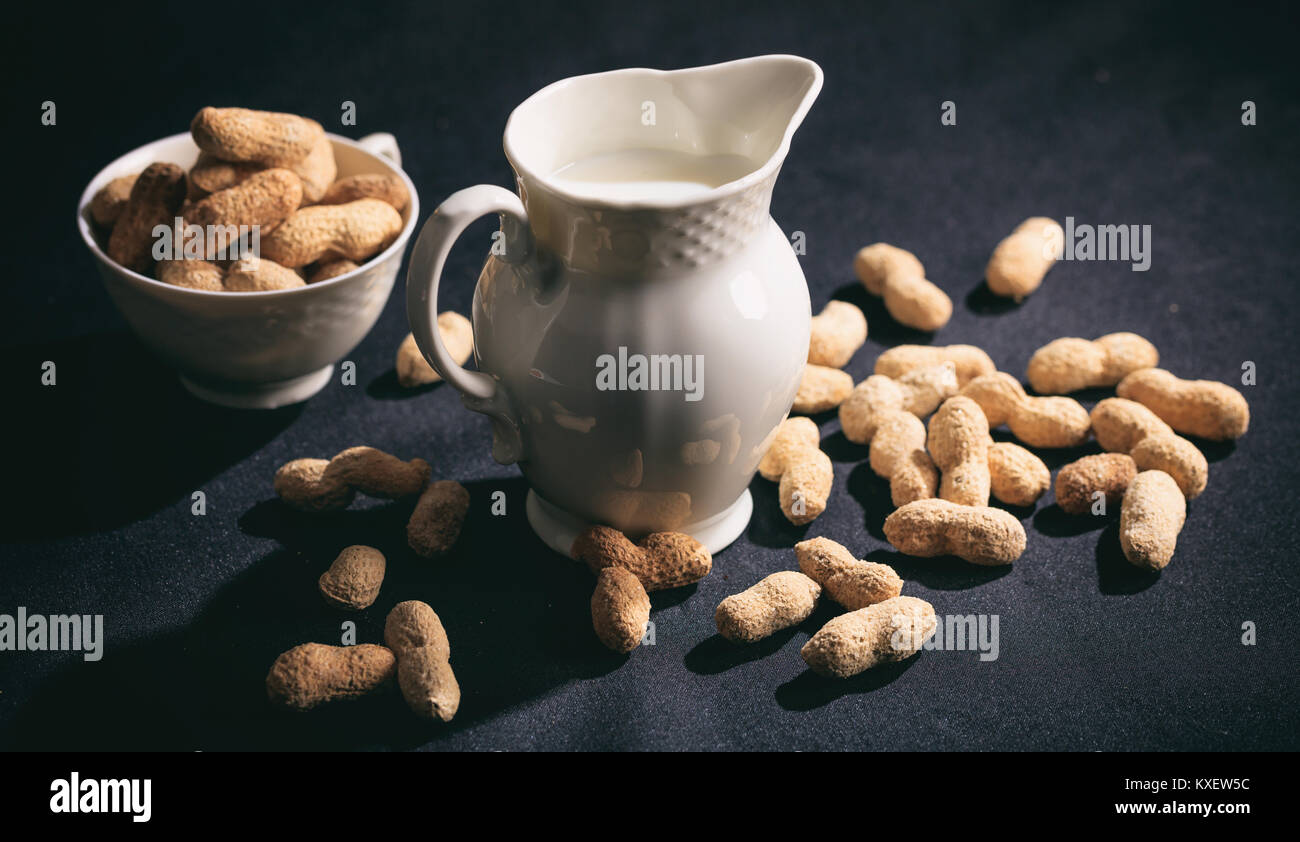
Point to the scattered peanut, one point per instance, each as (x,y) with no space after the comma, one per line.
(883,633)
(620,609)
(263,137)
(1126,426)
(803,472)
(1038,422)
(383,186)
(419,642)
(327,269)
(979,534)
(357,231)
(919,391)
(792,437)
(1016,476)
(1022,259)
(1204,408)
(898,277)
(959,443)
(898,454)
(320,485)
(821,389)
(438,516)
(837,333)
(354,579)
(154,199)
(457,334)
(109,201)
(1078,482)
(776,602)
(970,362)
(853,583)
(256,274)
(264,199)
(662,560)
(313,673)
(194,274)
(1150,519)
(1070,364)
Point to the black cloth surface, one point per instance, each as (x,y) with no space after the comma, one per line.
(1128,113)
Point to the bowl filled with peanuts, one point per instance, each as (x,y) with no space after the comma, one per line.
(252,252)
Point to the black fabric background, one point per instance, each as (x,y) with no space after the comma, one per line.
(1119,113)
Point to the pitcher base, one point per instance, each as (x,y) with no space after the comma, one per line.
(558,529)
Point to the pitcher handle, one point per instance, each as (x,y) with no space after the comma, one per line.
(479,391)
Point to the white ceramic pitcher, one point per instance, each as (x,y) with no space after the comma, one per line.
(641,323)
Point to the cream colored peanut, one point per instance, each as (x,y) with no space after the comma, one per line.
(1020,261)
(1125,426)
(793,435)
(838,331)
(1150,519)
(1203,408)
(1070,364)
(1078,483)
(662,560)
(853,583)
(919,392)
(1016,476)
(959,443)
(457,334)
(357,231)
(898,454)
(897,276)
(821,389)
(982,535)
(776,602)
(969,362)
(1038,422)
(803,472)
(883,633)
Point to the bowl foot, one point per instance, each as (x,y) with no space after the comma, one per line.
(557,528)
(260,395)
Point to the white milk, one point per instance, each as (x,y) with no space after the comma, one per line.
(649,174)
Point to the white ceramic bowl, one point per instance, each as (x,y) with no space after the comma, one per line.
(254,350)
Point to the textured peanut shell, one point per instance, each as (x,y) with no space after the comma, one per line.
(1020,261)
(1070,364)
(1119,424)
(302,484)
(264,137)
(1050,422)
(959,444)
(919,391)
(357,231)
(970,361)
(661,561)
(853,583)
(316,172)
(1077,482)
(382,186)
(998,394)
(1204,408)
(979,534)
(457,334)
(412,625)
(883,633)
(821,389)
(808,478)
(898,454)
(428,684)
(327,269)
(111,199)
(354,579)
(154,200)
(312,674)
(264,199)
(620,609)
(255,274)
(438,516)
(878,261)
(1150,519)
(210,174)
(793,435)
(191,274)
(1177,457)
(838,331)
(776,602)
(1016,476)
(378,474)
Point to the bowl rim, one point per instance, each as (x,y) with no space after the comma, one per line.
(88,236)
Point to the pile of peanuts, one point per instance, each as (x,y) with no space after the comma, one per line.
(416,651)
(256,169)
